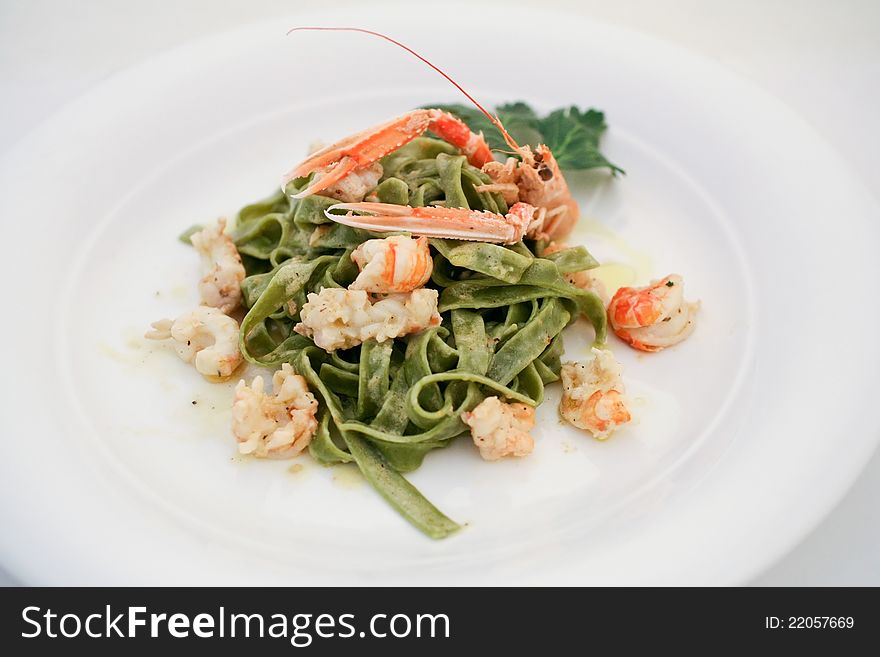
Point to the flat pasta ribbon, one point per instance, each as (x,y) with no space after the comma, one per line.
(386,405)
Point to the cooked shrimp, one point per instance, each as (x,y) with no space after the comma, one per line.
(583,279)
(653,317)
(221,285)
(353,187)
(205,337)
(501,429)
(280,425)
(593,396)
(394,264)
(340,319)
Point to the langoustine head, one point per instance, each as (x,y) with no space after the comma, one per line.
(536,179)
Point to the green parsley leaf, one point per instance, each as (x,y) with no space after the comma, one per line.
(570,133)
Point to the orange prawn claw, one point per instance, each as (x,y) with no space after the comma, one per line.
(456,132)
(364,148)
(450,223)
(535,178)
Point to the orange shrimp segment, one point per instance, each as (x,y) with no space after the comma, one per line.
(653,317)
(603,410)
(594,396)
(364,148)
(635,307)
(391,265)
(457,133)
(500,429)
(450,223)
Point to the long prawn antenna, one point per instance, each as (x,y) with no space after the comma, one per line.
(494,119)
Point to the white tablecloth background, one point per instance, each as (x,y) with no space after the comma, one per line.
(820,57)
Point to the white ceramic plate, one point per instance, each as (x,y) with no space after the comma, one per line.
(118,466)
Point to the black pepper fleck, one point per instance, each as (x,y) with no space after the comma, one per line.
(669,283)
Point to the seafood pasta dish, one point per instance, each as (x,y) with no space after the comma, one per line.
(410,285)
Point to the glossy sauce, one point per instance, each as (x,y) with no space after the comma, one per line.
(622,263)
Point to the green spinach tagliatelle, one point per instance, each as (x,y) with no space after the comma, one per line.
(384,406)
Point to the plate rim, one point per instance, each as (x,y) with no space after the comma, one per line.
(856,466)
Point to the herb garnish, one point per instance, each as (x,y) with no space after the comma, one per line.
(570,133)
